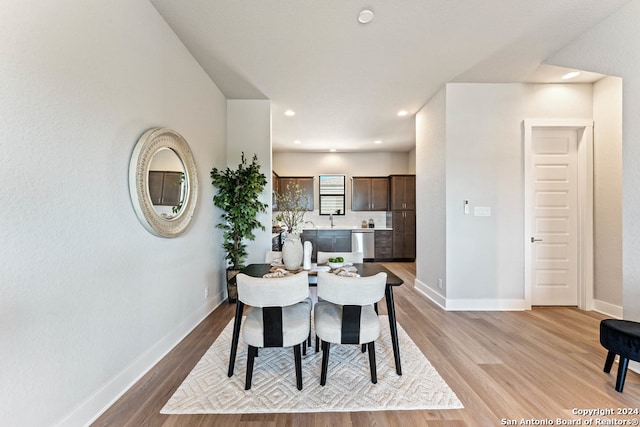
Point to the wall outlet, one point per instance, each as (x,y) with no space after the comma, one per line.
(440,283)
(206,293)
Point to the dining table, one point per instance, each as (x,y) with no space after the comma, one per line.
(364,269)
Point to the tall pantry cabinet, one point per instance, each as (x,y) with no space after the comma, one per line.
(402,197)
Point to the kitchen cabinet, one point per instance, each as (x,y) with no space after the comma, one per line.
(383,244)
(402,192)
(404,234)
(327,241)
(165,187)
(369,193)
(304,182)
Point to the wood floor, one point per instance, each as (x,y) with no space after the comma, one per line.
(504,366)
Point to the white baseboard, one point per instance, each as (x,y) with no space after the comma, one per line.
(470,304)
(89,410)
(607,308)
(430,293)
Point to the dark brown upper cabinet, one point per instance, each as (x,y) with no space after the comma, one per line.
(370,193)
(402,192)
(304,182)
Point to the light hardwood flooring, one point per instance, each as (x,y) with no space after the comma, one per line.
(504,366)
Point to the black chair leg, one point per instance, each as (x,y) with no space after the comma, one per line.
(364,348)
(317,344)
(623,363)
(304,347)
(298,361)
(325,362)
(609,362)
(372,362)
(251,355)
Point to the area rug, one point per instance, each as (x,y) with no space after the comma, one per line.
(208,390)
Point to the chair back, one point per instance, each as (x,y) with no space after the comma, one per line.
(271,256)
(353,257)
(351,290)
(273,292)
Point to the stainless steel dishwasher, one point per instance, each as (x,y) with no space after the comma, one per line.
(362,240)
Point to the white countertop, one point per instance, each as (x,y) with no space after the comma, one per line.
(353,229)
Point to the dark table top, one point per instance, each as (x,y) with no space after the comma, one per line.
(365,269)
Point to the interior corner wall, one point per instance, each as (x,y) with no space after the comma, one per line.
(607,189)
(249,131)
(89,299)
(613,48)
(431,196)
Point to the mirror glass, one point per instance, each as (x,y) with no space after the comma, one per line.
(332,194)
(167,184)
(163,182)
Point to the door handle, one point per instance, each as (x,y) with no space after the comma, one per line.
(535,240)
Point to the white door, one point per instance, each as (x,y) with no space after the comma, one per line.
(554,218)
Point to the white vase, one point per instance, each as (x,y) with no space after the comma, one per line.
(292,252)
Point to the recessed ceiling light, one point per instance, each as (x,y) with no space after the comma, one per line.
(377,141)
(403,113)
(365,16)
(289,113)
(297,141)
(571,75)
(333,150)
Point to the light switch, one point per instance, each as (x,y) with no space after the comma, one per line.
(481,211)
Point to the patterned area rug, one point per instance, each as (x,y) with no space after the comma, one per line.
(208,390)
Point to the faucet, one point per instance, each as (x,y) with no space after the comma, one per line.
(331,219)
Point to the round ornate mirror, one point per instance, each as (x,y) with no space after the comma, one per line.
(163,182)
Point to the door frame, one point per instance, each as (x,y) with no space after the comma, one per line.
(585,205)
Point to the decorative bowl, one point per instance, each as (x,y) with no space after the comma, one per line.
(335,265)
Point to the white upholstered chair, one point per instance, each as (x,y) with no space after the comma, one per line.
(353,257)
(345,314)
(279,317)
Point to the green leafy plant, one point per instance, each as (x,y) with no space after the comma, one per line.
(292,207)
(238,193)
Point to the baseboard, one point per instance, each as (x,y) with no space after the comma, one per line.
(430,293)
(89,410)
(469,304)
(607,308)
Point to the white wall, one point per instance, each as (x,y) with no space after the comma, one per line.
(431,195)
(607,197)
(483,164)
(249,131)
(613,48)
(88,298)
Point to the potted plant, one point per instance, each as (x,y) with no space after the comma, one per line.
(238,195)
(292,205)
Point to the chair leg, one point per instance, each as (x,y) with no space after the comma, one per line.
(372,362)
(325,362)
(298,361)
(251,355)
(609,362)
(317,344)
(364,348)
(304,347)
(623,363)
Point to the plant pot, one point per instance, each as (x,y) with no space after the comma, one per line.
(232,287)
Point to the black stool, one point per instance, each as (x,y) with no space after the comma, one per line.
(621,337)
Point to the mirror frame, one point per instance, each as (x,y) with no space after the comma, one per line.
(149,143)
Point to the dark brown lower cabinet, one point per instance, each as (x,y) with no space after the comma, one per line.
(383,244)
(327,241)
(404,234)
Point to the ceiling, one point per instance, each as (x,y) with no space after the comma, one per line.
(346,81)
